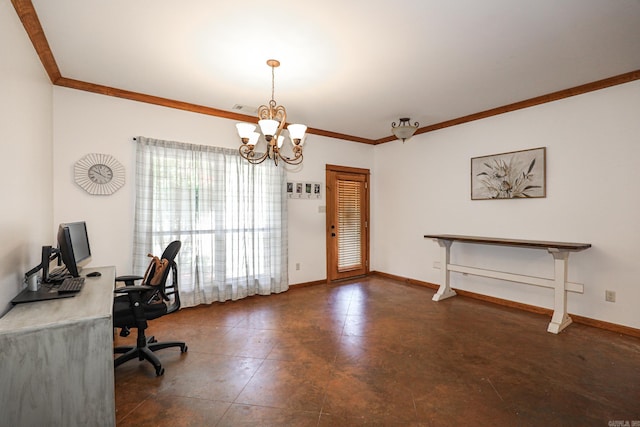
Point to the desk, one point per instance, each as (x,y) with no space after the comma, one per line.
(56,359)
(559,250)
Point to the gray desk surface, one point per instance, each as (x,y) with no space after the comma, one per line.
(94,301)
(57,359)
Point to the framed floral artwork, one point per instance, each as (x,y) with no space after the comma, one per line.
(513,175)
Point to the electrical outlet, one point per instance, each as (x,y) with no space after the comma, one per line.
(297,266)
(610,296)
(436,265)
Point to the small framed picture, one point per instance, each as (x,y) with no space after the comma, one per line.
(304,190)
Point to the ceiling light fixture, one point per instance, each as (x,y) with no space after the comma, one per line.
(272,119)
(404,130)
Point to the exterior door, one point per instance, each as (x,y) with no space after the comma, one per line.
(347,222)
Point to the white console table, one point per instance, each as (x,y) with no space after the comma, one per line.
(559,250)
(56,359)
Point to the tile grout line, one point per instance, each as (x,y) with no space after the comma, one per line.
(333,364)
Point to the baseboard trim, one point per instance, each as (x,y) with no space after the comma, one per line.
(307,284)
(608,326)
(404,279)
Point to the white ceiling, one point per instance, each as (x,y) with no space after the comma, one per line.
(348,66)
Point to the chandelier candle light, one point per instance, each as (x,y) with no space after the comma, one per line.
(272,119)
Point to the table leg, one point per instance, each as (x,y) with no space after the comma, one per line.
(560,318)
(445,290)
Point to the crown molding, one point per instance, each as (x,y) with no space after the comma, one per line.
(186,106)
(543,99)
(27,14)
(31,23)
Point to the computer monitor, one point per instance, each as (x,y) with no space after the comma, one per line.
(73,243)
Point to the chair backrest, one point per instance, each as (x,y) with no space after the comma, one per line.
(171,251)
(171,290)
(168,291)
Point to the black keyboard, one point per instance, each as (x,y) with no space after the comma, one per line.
(57,271)
(71,284)
(57,274)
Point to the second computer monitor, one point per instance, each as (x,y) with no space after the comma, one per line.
(73,242)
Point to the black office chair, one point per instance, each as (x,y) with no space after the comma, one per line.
(145,302)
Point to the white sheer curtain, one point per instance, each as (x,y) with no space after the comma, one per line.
(231,217)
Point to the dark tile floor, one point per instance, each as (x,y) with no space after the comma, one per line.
(378,352)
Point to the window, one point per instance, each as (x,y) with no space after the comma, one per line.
(230,216)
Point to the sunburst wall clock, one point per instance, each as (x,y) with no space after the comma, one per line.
(99,174)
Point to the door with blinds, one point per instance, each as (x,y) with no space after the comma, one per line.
(347,222)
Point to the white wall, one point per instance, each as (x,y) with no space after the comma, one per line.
(25,138)
(86,123)
(593,150)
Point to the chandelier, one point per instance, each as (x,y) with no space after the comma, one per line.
(271,119)
(404,130)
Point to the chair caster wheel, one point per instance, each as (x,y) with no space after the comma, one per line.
(184,350)
(159,372)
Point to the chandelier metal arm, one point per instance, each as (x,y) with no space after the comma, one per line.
(248,153)
(295,160)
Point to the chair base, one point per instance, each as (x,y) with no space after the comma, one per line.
(146,352)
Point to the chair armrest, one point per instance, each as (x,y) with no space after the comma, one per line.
(128,278)
(133,289)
